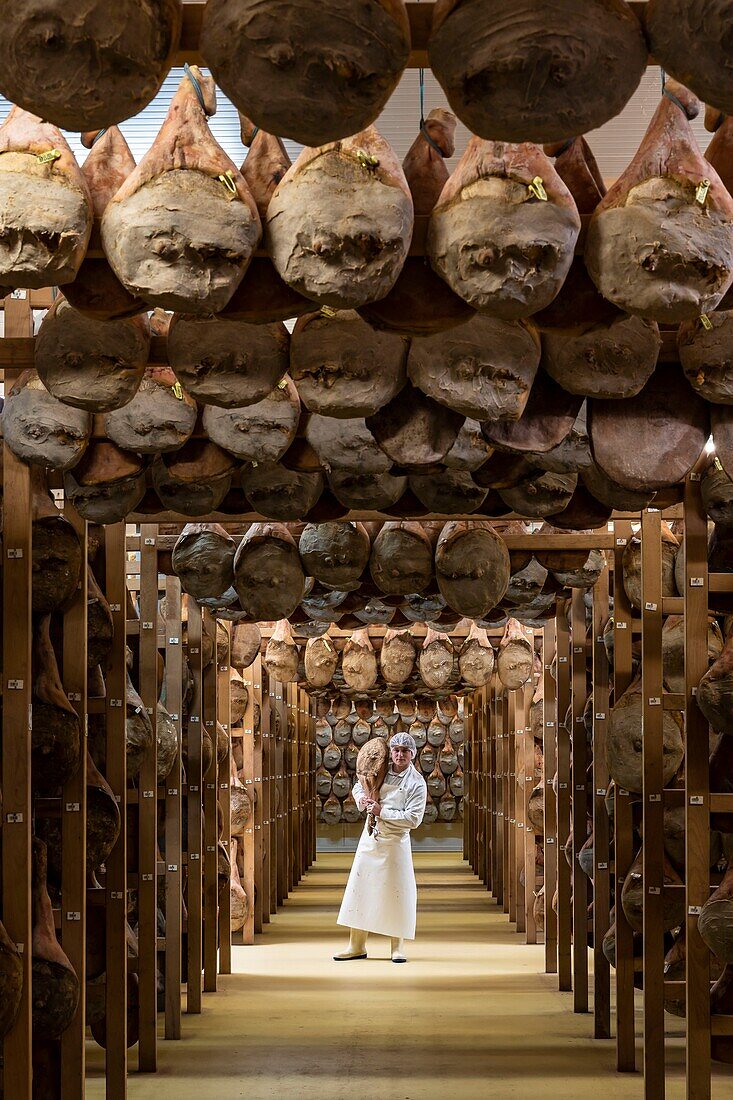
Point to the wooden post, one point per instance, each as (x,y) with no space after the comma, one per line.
(74,827)
(147,887)
(512,869)
(601,824)
(210,824)
(173,816)
(549,752)
(468,706)
(194,733)
(652,690)
(697,794)
(579,748)
(116,776)
(564,910)
(530,781)
(258,856)
(223,715)
(16,747)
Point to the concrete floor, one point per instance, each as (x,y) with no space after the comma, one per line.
(471,1015)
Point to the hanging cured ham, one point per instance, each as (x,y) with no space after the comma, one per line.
(483,369)
(690,41)
(227,363)
(504,230)
(321,661)
(262,297)
(472,567)
(343,368)
(305,69)
(39,429)
(624,747)
(359,661)
(276,491)
(194,479)
(203,560)
(401,559)
(548,418)
(268,575)
(413,430)
(436,660)
(54,981)
(421,303)
(528,70)
(88,363)
(651,440)
(181,230)
(56,735)
(107,484)
(336,554)
(660,243)
(397,657)
(160,417)
(339,223)
(515,660)
(45,207)
(476,658)
(56,550)
(96,290)
(260,432)
(89,65)
(281,655)
(449,492)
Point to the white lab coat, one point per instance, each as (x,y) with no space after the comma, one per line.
(381,894)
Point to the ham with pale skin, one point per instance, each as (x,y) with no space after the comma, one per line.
(397,657)
(660,243)
(359,661)
(45,205)
(310,70)
(107,484)
(528,70)
(91,66)
(401,558)
(89,363)
(195,479)
(203,560)
(504,230)
(476,658)
(182,229)
(39,429)
(261,432)
(268,574)
(483,369)
(420,303)
(321,661)
(371,771)
(472,567)
(281,654)
(653,440)
(516,657)
(54,980)
(227,364)
(160,417)
(96,291)
(336,554)
(343,368)
(436,660)
(339,223)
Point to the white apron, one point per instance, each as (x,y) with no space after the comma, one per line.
(381,894)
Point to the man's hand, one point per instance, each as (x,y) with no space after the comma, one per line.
(374,808)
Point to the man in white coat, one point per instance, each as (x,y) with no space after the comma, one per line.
(381,894)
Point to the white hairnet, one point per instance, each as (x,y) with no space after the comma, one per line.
(404,740)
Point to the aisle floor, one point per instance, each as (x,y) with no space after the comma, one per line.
(471,1015)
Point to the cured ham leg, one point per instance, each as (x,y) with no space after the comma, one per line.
(371,771)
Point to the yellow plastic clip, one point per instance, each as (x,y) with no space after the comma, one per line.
(701,191)
(327,311)
(537,188)
(282,384)
(49,157)
(227,178)
(705,321)
(178,391)
(255,465)
(717,463)
(367,160)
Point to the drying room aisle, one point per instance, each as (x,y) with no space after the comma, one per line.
(471,1014)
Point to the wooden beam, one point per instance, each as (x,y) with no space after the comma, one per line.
(601,823)
(579,756)
(224,717)
(564,877)
(549,752)
(194,774)
(173,813)
(210,822)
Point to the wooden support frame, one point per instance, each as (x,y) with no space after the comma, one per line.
(147,863)
(258,846)
(173,814)
(549,750)
(601,823)
(530,839)
(697,795)
(74,827)
(579,771)
(623,823)
(210,859)
(116,776)
(224,717)
(194,775)
(564,913)
(16,731)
